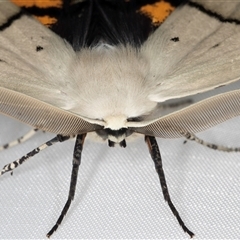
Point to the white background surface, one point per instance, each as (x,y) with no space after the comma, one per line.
(118,193)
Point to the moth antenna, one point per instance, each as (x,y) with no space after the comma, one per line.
(75,166)
(15,164)
(156,157)
(193,137)
(19,140)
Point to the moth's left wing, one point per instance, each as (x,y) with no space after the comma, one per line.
(34,74)
(196,49)
(33,60)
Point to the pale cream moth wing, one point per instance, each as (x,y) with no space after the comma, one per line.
(33,74)
(195,60)
(196,49)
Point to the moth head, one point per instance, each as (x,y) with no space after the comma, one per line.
(115,136)
(115,130)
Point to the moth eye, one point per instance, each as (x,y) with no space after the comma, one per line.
(135,119)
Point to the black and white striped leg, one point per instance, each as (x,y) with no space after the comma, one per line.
(22,139)
(75,166)
(192,137)
(15,164)
(156,157)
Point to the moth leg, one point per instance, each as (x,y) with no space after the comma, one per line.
(22,139)
(193,137)
(75,166)
(15,164)
(156,157)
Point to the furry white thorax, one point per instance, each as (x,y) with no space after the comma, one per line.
(108,85)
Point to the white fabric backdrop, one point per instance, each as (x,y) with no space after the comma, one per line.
(118,193)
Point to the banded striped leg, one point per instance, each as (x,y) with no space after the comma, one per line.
(156,157)
(76,163)
(15,164)
(192,137)
(22,139)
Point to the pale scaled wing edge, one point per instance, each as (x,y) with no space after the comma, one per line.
(196,49)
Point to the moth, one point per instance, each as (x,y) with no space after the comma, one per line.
(102,69)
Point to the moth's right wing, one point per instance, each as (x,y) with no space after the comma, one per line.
(196,49)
